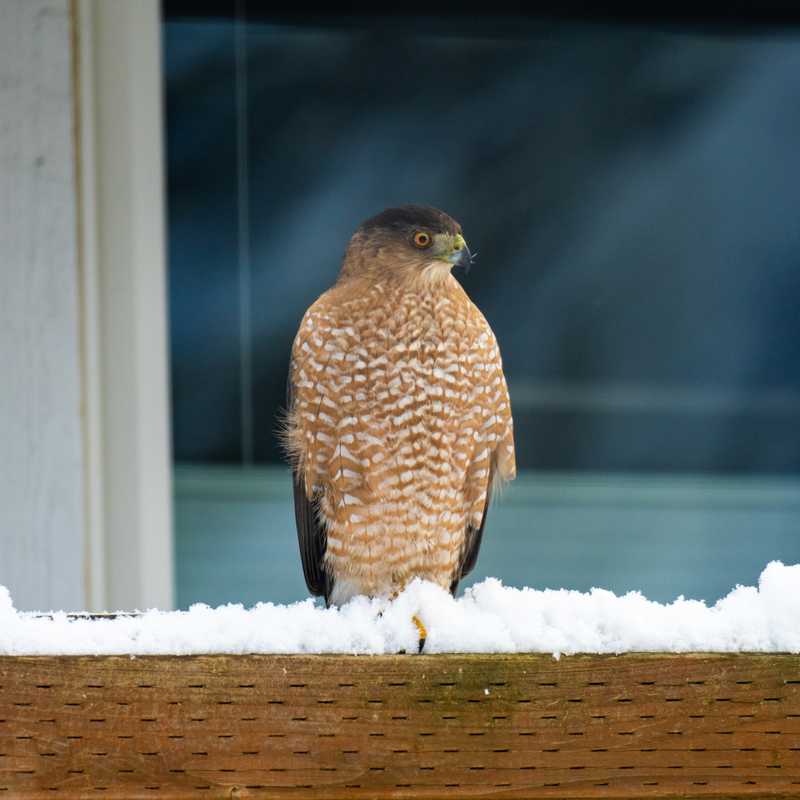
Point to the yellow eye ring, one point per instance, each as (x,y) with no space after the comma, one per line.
(422,239)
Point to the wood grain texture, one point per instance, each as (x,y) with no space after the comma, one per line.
(515,726)
(41,473)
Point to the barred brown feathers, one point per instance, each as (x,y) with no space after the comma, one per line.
(399,417)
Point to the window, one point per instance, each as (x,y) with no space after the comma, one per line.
(631,191)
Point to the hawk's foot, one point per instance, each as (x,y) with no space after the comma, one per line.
(418,623)
(423,631)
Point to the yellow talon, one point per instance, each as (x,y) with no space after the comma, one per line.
(423,631)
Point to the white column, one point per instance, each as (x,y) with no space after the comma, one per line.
(123,227)
(85,488)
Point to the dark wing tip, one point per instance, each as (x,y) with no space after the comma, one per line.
(472,541)
(311,535)
(312,540)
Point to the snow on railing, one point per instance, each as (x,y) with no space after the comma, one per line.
(489,618)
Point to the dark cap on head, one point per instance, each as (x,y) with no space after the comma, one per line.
(406,217)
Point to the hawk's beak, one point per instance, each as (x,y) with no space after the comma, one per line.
(461,255)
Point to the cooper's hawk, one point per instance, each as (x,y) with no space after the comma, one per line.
(399,419)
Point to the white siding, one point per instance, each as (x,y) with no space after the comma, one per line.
(41,469)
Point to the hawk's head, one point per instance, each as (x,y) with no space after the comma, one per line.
(407,242)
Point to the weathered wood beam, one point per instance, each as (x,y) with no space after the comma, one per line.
(512,726)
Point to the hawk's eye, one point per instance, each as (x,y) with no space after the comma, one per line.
(422,239)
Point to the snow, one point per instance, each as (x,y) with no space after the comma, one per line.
(489,617)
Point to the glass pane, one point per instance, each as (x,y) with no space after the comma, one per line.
(631,193)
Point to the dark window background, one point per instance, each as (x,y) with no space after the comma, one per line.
(632,192)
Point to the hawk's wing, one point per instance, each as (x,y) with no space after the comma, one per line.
(472,542)
(495,462)
(310,533)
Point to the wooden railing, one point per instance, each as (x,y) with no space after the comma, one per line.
(638,725)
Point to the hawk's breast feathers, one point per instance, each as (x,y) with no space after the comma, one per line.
(399,421)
